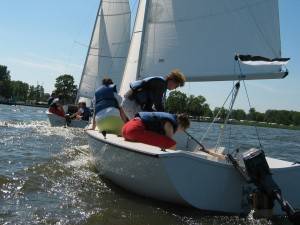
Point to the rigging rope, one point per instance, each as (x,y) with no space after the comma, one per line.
(233,93)
(256,130)
(215,118)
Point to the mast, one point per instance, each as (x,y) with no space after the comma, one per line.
(88,52)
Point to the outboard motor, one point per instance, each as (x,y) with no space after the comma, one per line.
(259,172)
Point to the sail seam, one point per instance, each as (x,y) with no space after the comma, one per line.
(117,14)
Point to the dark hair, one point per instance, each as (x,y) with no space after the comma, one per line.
(107,81)
(183,120)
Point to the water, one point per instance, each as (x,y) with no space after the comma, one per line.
(46,176)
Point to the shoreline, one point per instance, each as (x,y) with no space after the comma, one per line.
(24,104)
(250,123)
(233,122)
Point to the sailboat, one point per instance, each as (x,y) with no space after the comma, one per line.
(202,39)
(106,54)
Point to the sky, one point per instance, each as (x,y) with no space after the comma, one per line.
(40,40)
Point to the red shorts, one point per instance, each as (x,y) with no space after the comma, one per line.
(135,130)
(57,111)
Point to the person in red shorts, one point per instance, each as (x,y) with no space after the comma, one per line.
(56,108)
(155,128)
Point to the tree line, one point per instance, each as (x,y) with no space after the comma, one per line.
(177,102)
(13,91)
(18,91)
(196,106)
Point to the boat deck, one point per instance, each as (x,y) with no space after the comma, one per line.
(158,152)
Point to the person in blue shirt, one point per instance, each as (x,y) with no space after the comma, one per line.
(84,112)
(108,114)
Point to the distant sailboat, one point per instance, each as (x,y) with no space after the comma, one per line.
(201,38)
(106,55)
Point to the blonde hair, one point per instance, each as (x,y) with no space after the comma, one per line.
(183,120)
(177,77)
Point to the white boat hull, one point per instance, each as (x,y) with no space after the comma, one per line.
(58,121)
(183,177)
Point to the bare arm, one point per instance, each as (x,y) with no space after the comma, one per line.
(169,131)
(122,112)
(123,115)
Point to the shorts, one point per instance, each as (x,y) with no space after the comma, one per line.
(135,130)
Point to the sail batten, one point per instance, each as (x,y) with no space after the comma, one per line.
(203,39)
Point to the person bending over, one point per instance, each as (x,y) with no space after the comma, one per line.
(155,128)
(148,94)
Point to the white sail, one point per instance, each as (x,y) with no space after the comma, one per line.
(201,38)
(108,47)
(132,63)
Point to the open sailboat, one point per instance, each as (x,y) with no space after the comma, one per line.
(106,54)
(201,38)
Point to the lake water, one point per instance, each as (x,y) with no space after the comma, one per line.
(46,175)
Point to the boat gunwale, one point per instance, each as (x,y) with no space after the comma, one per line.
(181,153)
(162,154)
(63,119)
(105,141)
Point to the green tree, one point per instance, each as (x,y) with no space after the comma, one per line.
(238,114)
(195,105)
(5,86)
(45,97)
(38,93)
(296,118)
(222,114)
(31,93)
(19,90)
(176,102)
(4,73)
(207,111)
(260,117)
(65,87)
(252,114)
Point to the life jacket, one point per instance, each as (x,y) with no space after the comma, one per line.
(140,91)
(155,121)
(86,114)
(105,98)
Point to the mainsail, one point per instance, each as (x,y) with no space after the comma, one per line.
(108,47)
(202,37)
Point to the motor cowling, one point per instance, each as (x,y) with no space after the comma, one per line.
(259,171)
(267,191)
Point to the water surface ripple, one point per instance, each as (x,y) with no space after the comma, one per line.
(46,176)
